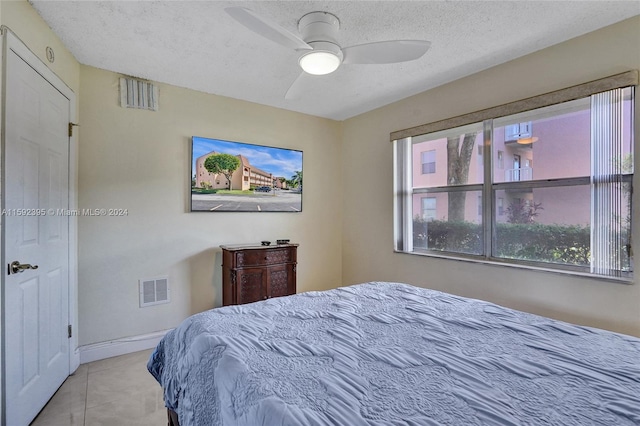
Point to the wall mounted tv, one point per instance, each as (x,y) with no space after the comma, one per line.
(231,176)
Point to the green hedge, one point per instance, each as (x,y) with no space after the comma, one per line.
(566,244)
(459,237)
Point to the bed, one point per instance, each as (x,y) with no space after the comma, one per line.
(393,354)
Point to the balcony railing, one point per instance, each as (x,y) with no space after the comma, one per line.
(515,175)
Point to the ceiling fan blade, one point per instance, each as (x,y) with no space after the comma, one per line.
(385,52)
(297,87)
(267,29)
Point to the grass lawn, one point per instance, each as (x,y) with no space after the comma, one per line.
(203,191)
(234,192)
(219,191)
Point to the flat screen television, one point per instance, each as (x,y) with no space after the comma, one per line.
(229,176)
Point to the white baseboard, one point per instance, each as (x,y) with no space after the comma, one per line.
(126,345)
(75,360)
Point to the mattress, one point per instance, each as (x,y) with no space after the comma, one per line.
(394,354)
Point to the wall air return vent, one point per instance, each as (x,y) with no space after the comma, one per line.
(154,291)
(138,94)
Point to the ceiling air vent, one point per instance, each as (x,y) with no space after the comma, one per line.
(154,291)
(138,94)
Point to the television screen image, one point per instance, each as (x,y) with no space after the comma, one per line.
(241,177)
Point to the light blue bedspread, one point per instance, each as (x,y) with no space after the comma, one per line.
(394,354)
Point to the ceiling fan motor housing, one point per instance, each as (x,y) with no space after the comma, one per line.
(319,26)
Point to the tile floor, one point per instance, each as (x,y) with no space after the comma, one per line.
(111,392)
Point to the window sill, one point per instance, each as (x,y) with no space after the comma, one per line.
(507,264)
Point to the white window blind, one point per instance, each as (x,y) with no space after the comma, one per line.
(610,184)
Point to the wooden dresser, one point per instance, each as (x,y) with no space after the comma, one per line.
(253,272)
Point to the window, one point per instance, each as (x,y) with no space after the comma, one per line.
(428,208)
(574,214)
(455,188)
(428,162)
(518,131)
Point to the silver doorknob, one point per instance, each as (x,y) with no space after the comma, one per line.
(17,267)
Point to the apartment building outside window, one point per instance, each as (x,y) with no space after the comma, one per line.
(429,210)
(572,211)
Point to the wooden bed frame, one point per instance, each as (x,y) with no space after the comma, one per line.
(172,417)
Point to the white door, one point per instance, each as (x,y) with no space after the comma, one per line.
(516,167)
(36,184)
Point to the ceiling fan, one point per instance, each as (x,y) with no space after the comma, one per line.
(321,53)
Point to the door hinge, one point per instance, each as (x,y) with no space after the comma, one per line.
(69,330)
(71,128)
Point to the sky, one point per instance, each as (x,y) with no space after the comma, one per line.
(278,161)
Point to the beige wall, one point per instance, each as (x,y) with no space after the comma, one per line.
(140,161)
(367,164)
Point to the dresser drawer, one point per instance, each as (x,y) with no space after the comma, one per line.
(254,273)
(264,257)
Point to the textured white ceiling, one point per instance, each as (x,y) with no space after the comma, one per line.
(195,44)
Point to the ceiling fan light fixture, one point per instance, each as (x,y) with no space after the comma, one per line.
(319,63)
(325,58)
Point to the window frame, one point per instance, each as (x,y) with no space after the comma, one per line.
(402,184)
